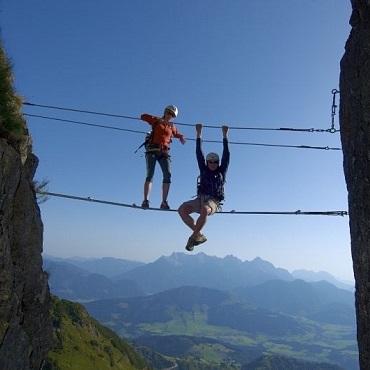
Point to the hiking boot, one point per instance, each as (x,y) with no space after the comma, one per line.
(145,204)
(200,239)
(164,205)
(190,244)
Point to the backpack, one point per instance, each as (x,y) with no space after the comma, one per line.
(211,184)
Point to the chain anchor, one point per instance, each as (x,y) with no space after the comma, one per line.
(333,111)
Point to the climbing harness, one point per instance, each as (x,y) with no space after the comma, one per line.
(151,147)
(148,137)
(148,142)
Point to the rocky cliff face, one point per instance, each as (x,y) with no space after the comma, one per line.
(25,326)
(355,134)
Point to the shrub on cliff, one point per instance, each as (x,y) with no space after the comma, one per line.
(12,122)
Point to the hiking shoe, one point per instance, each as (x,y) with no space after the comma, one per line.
(164,205)
(145,204)
(200,239)
(190,244)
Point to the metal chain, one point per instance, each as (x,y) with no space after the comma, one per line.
(333,110)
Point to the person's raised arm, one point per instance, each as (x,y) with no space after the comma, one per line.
(225,153)
(198,128)
(149,118)
(225,131)
(198,150)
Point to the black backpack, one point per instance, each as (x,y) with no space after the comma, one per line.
(209,186)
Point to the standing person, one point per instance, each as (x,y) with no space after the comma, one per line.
(157,149)
(210,191)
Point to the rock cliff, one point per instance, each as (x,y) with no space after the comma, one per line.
(25,326)
(354,117)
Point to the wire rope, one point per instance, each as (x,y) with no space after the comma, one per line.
(329,130)
(209,141)
(93,200)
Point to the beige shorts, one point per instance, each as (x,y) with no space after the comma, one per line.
(197,203)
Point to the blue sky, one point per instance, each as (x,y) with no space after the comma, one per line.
(248,64)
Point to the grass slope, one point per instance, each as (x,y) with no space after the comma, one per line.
(81,343)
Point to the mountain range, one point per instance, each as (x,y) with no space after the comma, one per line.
(80,342)
(257,281)
(179,305)
(173,271)
(190,320)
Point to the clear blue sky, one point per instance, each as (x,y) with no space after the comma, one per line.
(261,64)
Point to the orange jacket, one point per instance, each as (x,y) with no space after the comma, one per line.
(163,131)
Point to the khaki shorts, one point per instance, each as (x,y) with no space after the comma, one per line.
(197,203)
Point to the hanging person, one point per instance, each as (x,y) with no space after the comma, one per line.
(210,192)
(156,150)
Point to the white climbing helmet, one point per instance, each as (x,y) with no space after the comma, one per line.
(213,157)
(172,109)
